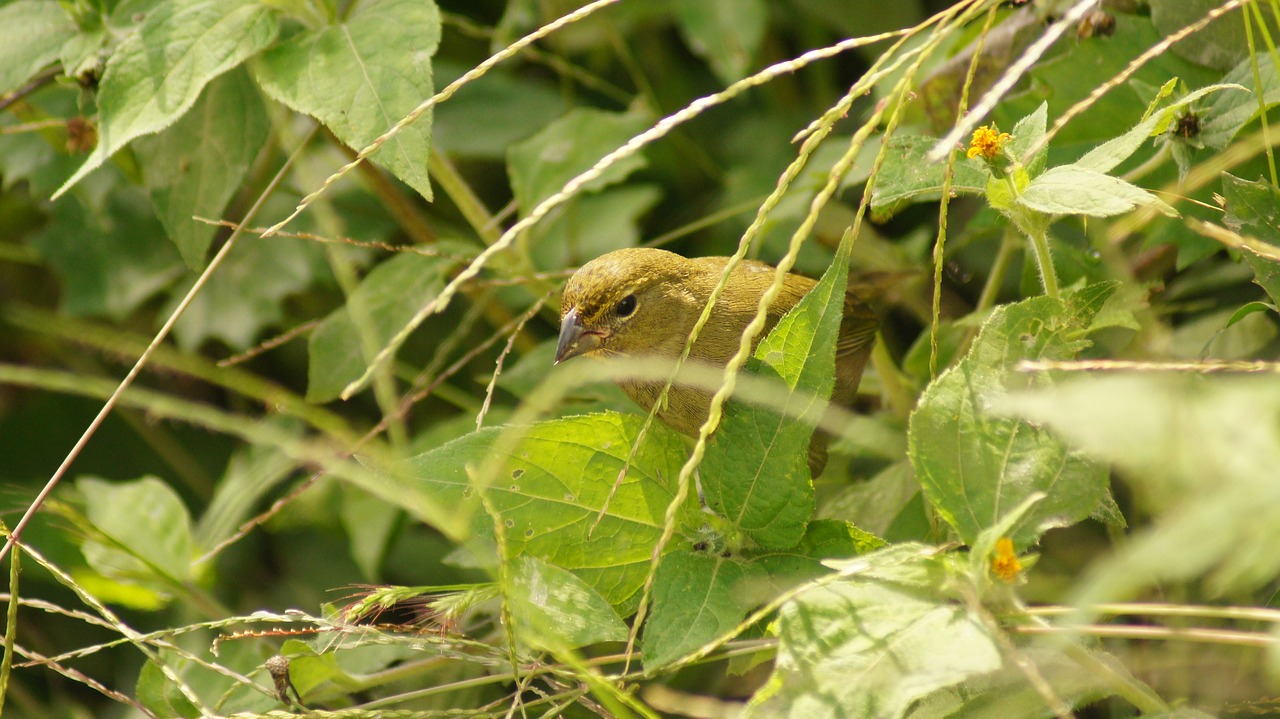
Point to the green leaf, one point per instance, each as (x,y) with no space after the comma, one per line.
(386,299)
(726,33)
(1219,45)
(566,148)
(1252,208)
(1229,112)
(161,695)
(1266,274)
(697,597)
(755,472)
(370,523)
(187,178)
(824,539)
(1026,132)
(554,610)
(1072,190)
(869,649)
(907,177)
(31,32)
(362,76)
(1107,156)
(155,75)
(976,466)
(309,669)
(145,532)
(552,486)
(109,263)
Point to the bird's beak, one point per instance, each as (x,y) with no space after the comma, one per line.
(574,338)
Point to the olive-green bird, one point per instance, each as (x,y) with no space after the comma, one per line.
(642,303)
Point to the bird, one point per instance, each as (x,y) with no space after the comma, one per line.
(643,302)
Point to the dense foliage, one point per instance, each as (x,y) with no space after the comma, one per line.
(291,271)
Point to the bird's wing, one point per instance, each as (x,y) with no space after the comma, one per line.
(857,328)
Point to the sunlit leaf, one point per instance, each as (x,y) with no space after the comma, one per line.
(145,532)
(361,76)
(867,648)
(697,597)
(553,609)
(1198,459)
(551,487)
(31,32)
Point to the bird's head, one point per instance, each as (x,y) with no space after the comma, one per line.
(627,302)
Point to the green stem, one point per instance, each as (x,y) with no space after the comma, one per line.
(1040,244)
(995,278)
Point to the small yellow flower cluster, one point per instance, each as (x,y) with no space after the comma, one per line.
(1005,564)
(987,142)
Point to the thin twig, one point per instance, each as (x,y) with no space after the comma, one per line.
(497,370)
(270,344)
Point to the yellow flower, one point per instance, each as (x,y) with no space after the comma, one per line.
(987,142)
(1005,564)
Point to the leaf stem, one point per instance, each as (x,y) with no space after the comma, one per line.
(1040,244)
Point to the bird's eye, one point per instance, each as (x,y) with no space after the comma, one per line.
(626,306)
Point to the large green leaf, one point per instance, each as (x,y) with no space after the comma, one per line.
(342,345)
(1071,190)
(551,487)
(1220,44)
(824,539)
(700,597)
(1224,117)
(31,33)
(156,73)
(161,695)
(1007,693)
(869,648)
(974,465)
(141,533)
(361,76)
(756,473)
(189,179)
